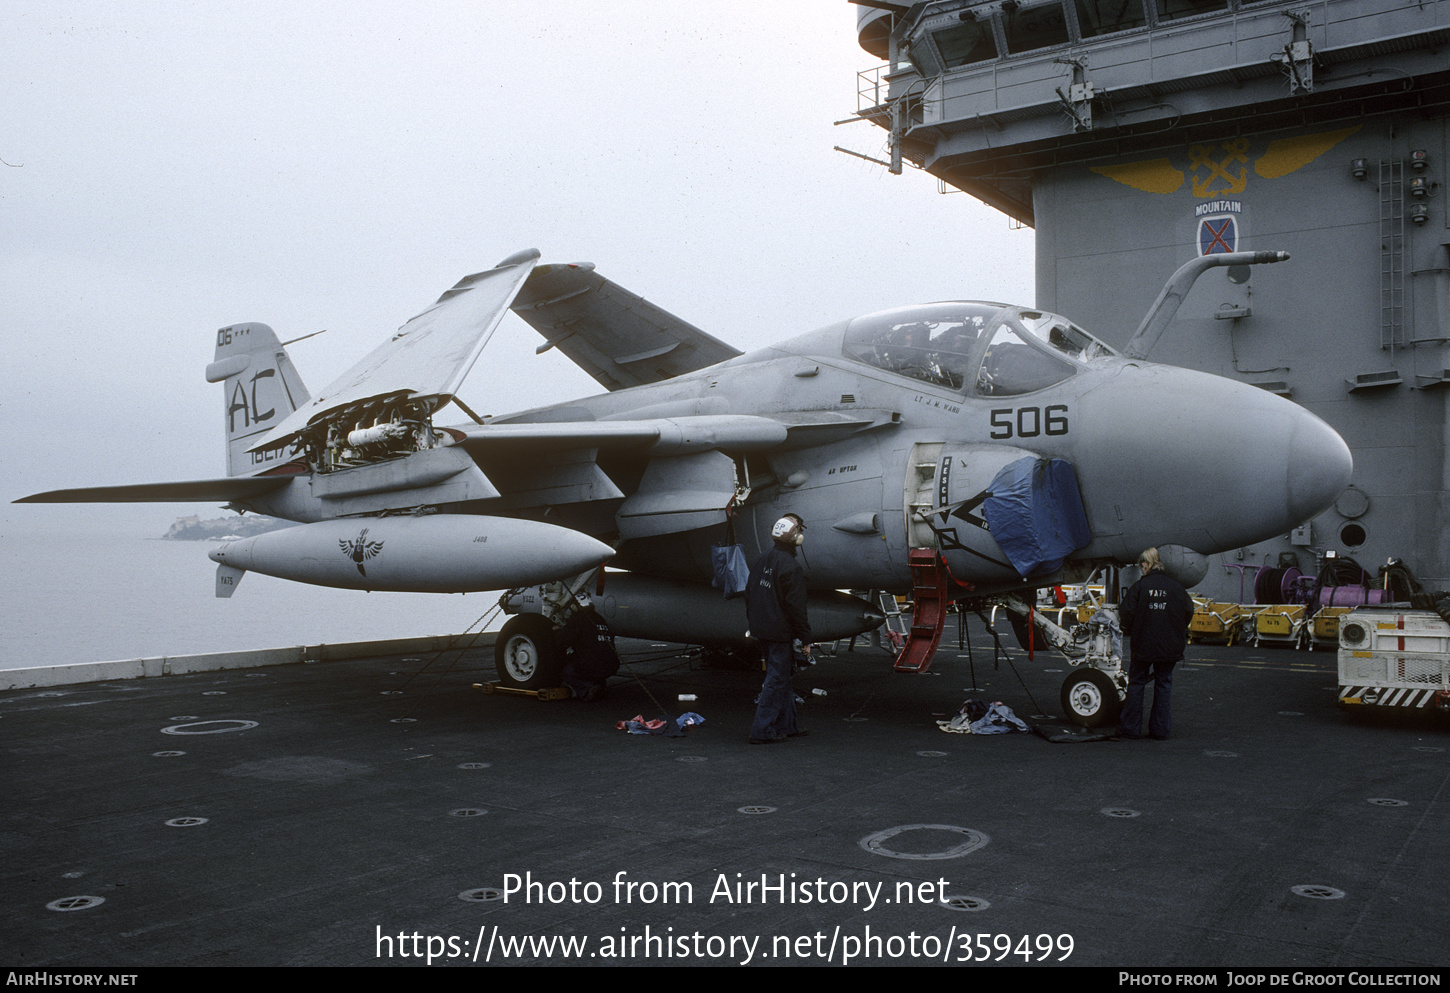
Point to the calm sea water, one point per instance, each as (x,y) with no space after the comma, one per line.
(88,586)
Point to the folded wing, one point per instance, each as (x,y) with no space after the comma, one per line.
(619,338)
(427,357)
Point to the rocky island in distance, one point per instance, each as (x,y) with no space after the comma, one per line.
(193,528)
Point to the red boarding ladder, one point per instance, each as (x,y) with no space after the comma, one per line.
(929,611)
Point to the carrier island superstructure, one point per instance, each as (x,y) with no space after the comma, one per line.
(1135,135)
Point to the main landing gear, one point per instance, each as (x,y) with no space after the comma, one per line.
(526,655)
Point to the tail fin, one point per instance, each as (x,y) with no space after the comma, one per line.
(262,388)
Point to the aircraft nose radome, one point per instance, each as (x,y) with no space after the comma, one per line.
(1187,458)
(1320,466)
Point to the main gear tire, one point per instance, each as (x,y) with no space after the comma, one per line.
(526,655)
(1090,698)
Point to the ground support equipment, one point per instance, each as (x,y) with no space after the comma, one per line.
(1279,624)
(1394,658)
(929,581)
(551,693)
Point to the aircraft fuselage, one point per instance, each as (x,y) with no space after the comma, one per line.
(876,448)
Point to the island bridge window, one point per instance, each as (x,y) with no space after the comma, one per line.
(1031,351)
(1172,10)
(932,343)
(1095,17)
(1028,28)
(965,43)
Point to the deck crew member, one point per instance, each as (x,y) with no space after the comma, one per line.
(592,658)
(1155,613)
(775,606)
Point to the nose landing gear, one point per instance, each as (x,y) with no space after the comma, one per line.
(1092,694)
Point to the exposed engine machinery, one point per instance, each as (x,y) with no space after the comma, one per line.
(373,432)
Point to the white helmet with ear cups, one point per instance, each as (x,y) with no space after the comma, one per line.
(789,530)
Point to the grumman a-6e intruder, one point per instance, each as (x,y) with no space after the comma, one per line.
(959,450)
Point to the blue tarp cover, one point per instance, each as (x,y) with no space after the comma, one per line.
(1035,512)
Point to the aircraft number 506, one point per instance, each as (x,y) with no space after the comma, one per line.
(1029,422)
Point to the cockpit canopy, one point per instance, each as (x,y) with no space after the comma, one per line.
(990,349)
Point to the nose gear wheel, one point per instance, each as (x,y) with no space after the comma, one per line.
(1090,698)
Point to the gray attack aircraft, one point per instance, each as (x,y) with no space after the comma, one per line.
(959,451)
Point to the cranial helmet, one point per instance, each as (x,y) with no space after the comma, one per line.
(789,530)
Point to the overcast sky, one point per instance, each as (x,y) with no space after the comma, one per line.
(174,167)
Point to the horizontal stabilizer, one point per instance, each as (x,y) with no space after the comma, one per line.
(619,338)
(427,357)
(227,580)
(185,491)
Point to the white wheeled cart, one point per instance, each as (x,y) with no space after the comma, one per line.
(1394,658)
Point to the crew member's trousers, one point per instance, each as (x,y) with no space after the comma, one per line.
(1140,671)
(775,713)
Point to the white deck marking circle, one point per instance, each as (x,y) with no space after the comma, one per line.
(232,725)
(1316,892)
(875,843)
(75,903)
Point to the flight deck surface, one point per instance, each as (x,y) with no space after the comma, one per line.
(329,819)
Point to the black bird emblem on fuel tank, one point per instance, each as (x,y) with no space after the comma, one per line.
(360,549)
